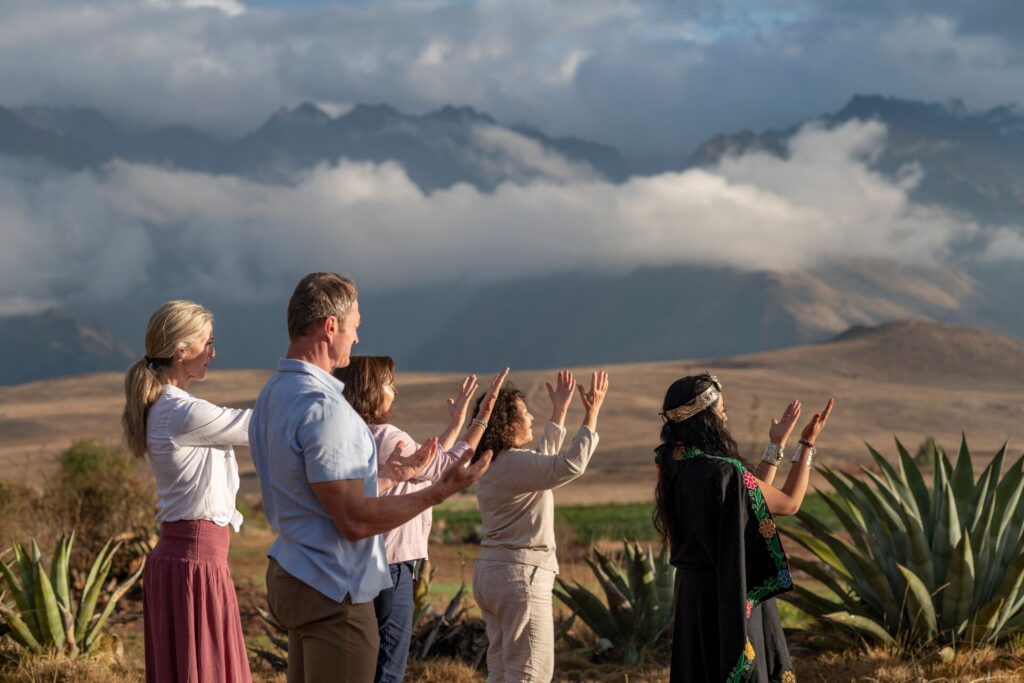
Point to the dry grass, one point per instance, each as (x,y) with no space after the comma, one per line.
(873,666)
(884,666)
(105,667)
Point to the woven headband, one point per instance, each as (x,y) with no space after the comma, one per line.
(706,398)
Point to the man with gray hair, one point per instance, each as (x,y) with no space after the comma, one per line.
(318,472)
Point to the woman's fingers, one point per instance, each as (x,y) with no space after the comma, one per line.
(828,411)
(498,380)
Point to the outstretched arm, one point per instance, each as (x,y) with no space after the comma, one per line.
(457,408)
(357,516)
(475,431)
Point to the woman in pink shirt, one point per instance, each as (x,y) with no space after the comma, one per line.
(370,389)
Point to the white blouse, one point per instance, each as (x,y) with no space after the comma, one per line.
(190,449)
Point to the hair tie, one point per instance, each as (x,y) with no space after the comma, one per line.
(156,363)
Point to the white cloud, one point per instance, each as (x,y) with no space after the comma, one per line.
(648,77)
(91,235)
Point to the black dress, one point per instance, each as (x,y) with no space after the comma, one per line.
(729,564)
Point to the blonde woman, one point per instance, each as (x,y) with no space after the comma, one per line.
(193,631)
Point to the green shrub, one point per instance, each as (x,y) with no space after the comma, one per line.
(101,493)
(923,564)
(19,510)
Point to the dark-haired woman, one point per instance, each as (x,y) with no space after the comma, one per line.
(717,515)
(370,389)
(515,573)
(193,631)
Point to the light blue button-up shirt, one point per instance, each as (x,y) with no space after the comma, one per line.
(302,432)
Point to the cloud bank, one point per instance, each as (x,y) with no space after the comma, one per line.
(88,236)
(647,77)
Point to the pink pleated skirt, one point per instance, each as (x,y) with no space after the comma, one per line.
(190,609)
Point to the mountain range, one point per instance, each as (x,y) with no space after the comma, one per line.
(972,163)
(437,149)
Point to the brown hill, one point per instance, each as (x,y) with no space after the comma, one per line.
(913,379)
(911,351)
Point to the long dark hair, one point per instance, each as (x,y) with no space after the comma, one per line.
(365,378)
(705,431)
(505,418)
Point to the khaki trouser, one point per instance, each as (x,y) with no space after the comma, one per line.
(515,600)
(328,642)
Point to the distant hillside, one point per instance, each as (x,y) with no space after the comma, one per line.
(438,149)
(912,380)
(691,311)
(917,351)
(650,314)
(21,139)
(54,344)
(972,161)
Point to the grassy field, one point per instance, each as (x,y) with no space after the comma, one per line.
(583,525)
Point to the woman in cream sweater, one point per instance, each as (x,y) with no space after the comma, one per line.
(515,572)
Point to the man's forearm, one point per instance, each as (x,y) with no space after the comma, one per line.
(377,515)
(357,516)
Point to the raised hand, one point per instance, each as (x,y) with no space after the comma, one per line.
(462,474)
(399,468)
(561,394)
(593,399)
(458,406)
(817,423)
(783,427)
(487,405)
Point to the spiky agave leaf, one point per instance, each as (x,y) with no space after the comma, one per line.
(958,595)
(863,626)
(591,610)
(923,621)
(94,629)
(91,590)
(20,631)
(911,473)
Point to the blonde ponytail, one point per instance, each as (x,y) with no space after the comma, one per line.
(175,325)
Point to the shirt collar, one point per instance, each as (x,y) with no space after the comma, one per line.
(302,367)
(176,392)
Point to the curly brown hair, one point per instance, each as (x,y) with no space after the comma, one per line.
(504,421)
(365,378)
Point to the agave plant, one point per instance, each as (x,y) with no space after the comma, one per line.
(45,617)
(941,563)
(639,599)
